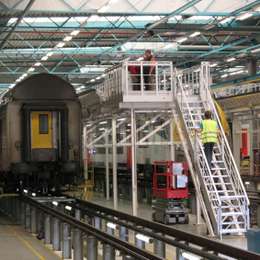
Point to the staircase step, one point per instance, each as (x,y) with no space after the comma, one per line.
(236,197)
(237,230)
(219,183)
(233,223)
(227,214)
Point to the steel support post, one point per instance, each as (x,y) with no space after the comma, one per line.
(134,173)
(85,152)
(108,250)
(22,213)
(114,161)
(159,247)
(66,246)
(198,210)
(47,229)
(27,217)
(56,234)
(107,167)
(77,240)
(92,248)
(172,147)
(33,220)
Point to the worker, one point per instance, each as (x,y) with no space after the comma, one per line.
(209,135)
(148,70)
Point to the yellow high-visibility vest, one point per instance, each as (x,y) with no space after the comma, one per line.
(209,131)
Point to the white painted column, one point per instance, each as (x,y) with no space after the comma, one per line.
(236,138)
(134,173)
(107,167)
(172,147)
(198,210)
(85,153)
(114,162)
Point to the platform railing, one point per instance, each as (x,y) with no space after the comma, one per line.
(137,82)
(85,229)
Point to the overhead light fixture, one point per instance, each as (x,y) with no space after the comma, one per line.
(103,75)
(255,50)
(224,75)
(181,40)
(55,203)
(121,119)
(231,59)
(60,44)
(213,65)
(92,80)
(103,122)
(195,34)
(44,58)
(49,54)
(37,64)
(24,75)
(111,225)
(140,59)
(104,8)
(67,38)
(226,20)
(31,69)
(75,32)
(98,78)
(244,16)
(257,9)
(34,194)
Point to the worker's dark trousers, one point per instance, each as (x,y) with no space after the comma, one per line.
(208,149)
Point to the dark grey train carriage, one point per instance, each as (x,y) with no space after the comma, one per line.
(40,133)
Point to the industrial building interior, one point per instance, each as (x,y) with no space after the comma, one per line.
(103,114)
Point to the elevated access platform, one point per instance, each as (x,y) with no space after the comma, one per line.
(186,95)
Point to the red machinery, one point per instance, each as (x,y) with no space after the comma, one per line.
(170,189)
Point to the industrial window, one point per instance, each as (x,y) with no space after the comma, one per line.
(43,124)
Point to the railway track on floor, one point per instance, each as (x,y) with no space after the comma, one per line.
(96,230)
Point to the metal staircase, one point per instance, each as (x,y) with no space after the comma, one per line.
(220,190)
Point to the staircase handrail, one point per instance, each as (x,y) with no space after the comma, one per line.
(223,136)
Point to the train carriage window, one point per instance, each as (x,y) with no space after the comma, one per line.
(43,124)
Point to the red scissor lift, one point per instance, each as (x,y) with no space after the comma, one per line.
(170,190)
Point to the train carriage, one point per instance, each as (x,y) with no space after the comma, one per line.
(40,132)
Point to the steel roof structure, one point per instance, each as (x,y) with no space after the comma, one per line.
(79,39)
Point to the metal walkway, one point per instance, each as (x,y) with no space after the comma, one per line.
(80,229)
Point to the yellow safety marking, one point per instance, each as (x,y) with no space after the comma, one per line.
(28,245)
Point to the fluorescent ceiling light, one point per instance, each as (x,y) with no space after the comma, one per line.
(111,225)
(11,21)
(255,50)
(244,16)
(140,59)
(60,44)
(24,75)
(55,203)
(231,59)
(104,8)
(182,40)
(194,34)
(121,119)
(113,1)
(92,80)
(213,65)
(75,32)
(44,58)
(98,78)
(31,69)
(37,64)
(143,45)
(224,75)
(103,75)
(226,20)
(68,207)
(103,122)
(257,9)
(49,54)
(67,38)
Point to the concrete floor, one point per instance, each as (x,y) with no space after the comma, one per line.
(15,243)
(145,211)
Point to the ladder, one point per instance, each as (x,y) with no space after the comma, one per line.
(219,187)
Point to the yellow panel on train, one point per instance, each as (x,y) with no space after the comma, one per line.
(41,130)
